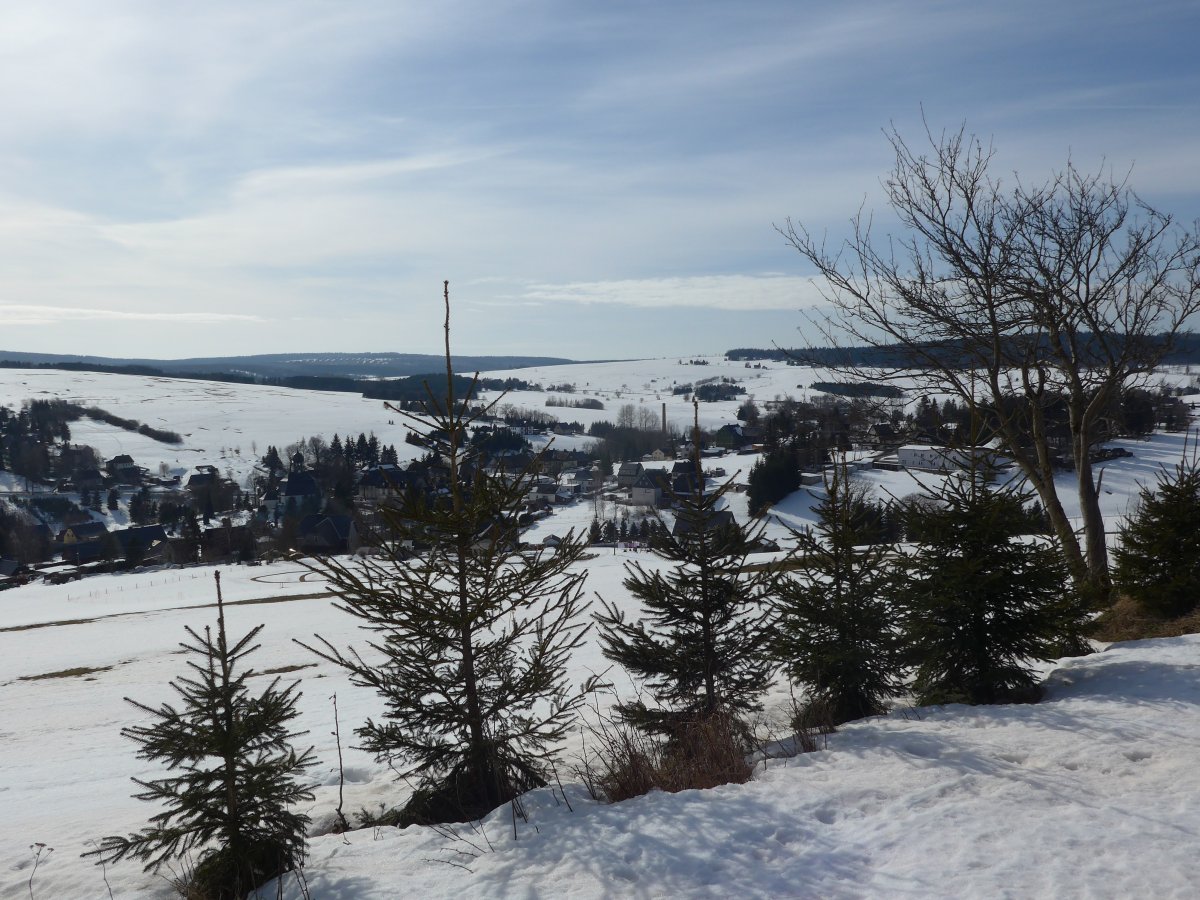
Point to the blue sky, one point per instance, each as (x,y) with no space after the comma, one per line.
(595,179)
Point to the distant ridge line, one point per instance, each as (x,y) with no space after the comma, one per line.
(280,365)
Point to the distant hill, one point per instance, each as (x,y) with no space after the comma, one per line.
(1186,350)
(286,365)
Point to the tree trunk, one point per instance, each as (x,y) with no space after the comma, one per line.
(479,752)
(1038,468)
(1097,586)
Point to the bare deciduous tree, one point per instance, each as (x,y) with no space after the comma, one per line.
(1014,298)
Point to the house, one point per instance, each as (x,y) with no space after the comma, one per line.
(83,553)
(650,488)
(735,437)
(685,525)
(515,462)
(203,480)
(582,478)
(628,474)
(881,436)
(383,483)
(729,436)
(123,469)
(326,535)
(687,484)
(84,531)
(143,544)
(228,542)
(932,458)
(555,462)
(182,550)
(301,494)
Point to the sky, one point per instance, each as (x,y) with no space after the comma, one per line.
(595,179)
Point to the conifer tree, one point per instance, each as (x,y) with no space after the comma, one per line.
(834,628)
(1158,560)
(471,638)
(700,644)
(979,605)
(235,781)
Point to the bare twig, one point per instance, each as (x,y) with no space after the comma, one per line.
(342,825)
(40,852)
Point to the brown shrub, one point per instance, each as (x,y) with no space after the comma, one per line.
(1127,620)
(624,762)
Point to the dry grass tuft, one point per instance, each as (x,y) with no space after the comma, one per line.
(1125,620)
(77,672)
(623,762)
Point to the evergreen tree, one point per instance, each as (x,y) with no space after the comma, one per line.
(772,478)
(471,638)
(699,647)
(189,531)
(236,773)
(979,604)
(1158,560)
(138,507)
(594,534)
(834,619)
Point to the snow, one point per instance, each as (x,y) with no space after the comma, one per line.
(1090,793)
(221,423)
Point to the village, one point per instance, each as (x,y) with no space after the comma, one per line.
(73,514)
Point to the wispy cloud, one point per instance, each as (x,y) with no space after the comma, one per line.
(727,292)
(14,314)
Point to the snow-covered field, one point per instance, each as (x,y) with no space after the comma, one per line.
(225,425)
(1091,793)
(228,425)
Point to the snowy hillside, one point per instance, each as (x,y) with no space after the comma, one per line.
(1087,794)
(221,424)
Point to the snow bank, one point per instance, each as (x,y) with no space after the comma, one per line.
(1090,793)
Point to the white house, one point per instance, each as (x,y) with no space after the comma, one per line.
(928,458)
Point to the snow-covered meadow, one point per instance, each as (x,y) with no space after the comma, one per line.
(1090,793)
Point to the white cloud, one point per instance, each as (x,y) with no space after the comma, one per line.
(14,314)
(728,292)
